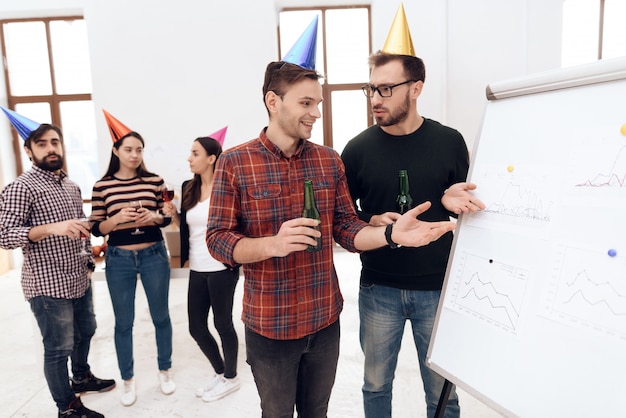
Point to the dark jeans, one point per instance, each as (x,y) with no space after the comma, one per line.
(214,290)
(66,326)
(300,372)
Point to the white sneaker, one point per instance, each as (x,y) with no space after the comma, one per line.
(210,385)
(167,384)
(130,394)
(223,388)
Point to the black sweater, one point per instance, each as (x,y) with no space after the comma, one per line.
(435,157)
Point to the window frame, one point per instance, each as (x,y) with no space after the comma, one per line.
(54,99)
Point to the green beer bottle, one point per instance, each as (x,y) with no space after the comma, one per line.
(404,199)
(310,211)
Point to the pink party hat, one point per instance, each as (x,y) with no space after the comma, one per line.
(220,135)
(116,128)
(22,124)
(302,53)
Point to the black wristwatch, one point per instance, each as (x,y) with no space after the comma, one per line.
(392,244)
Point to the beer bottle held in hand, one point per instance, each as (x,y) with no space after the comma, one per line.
(310,211)
(404,200)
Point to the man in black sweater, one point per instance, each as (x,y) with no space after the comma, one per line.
(400,284)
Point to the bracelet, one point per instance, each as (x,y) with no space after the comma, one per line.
(392,244)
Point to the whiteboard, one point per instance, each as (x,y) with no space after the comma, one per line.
(532,319)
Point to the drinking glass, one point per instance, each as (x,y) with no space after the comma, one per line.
(137,205)
(84,243)
(168,193)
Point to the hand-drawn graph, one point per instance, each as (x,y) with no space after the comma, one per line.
(489,290)
(600,165)
(588,290)
(514,200)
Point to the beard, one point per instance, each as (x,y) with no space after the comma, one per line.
(393,118)
(44,164)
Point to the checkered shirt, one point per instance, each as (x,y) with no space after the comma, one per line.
(53,266)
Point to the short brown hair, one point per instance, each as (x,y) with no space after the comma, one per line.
(279,75)
(414,67)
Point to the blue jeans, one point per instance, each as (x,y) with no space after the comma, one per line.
(383,312)
(122,267)
(66,326)
(300,372)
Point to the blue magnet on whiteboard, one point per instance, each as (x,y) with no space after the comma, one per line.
(612,252)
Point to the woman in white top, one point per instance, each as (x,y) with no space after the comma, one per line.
(211,283)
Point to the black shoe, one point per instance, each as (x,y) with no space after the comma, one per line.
(92,384)
(76,409)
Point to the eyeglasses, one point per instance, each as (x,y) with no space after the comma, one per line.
(384,91)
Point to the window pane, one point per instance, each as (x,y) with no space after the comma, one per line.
(348,52)
(79,134)
(349,116)
(39,112)
(27,58)
(317,135)
(614,37)
(581,23)
(70,54)
(292,24)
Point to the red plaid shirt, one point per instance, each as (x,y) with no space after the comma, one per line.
(256,189)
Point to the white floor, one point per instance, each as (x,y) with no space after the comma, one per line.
(23,390)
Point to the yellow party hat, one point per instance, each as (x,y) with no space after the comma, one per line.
(399,38)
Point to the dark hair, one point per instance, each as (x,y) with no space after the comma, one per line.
(413,66)
(39,132)
(280,74)
(192,190)
(114,162)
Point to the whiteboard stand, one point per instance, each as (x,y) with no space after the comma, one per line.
(443,399)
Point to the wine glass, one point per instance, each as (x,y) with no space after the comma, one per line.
(168,193)
(84,244)
(137,205)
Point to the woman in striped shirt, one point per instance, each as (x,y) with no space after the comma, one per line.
(125,206)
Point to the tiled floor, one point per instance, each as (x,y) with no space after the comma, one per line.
(23,390)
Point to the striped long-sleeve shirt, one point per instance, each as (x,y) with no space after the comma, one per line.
(53,266)
(256,188)
(110,195)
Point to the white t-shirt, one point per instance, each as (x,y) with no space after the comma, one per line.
(199,257)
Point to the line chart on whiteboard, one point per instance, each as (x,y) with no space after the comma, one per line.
(489,290)
(588,290)
(517,199)
(599,165)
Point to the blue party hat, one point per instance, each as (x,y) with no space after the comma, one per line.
(302,53)
(22,124)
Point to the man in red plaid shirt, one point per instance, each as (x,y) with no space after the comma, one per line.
(292,301)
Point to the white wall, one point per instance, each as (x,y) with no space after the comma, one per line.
(494,40)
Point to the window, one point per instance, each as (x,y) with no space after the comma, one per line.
(49,80)
(593,30)
(343,47)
